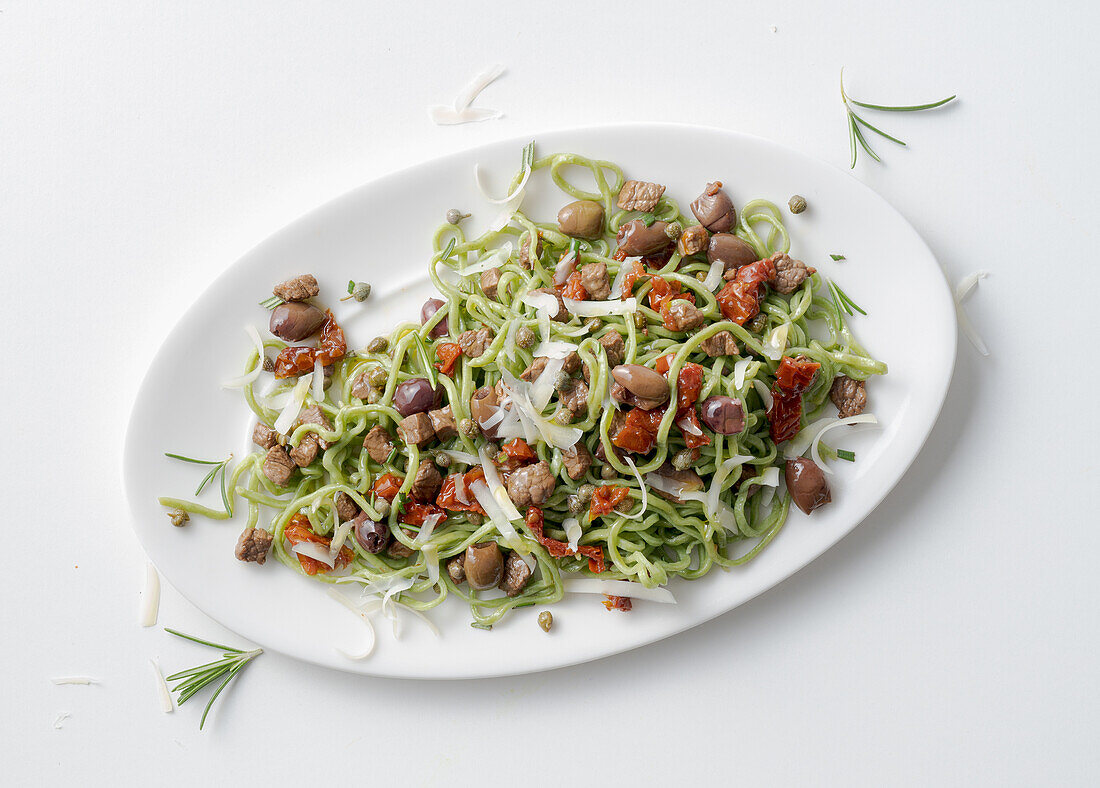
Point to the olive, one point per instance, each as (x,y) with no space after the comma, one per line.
(484,565)
(431,306)
(416,395)
(642,382)
(636,239)
(371,536)
(294,321)
(581,219)
(714,209)
(483,404)
(731,250)
(807,484)
(722,414)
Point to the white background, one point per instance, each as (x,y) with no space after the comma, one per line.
(950,640)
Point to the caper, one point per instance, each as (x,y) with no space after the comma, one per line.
(373,396)
(474,518)
(575,504)
(563,381)
(454,216)
(468,428)
(701,276)
(525,337)
(757,324)
(797,204)
(639,321)
(674,230)
(382,507)
(565,416)
(625,505)
(443,459)
(378,377)
(586,491)
(269,365)
(178,517)
(683,459)
(361,291)
(607,472)
(378,345)
(546,620)
(593,324)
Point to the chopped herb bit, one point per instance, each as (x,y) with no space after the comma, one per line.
(450,248)
(838,257)
(844,454)
(648,219)
(271,303)
(351,286)
(528,157)
(392,457)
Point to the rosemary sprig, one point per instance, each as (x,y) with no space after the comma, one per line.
(193,680)
(271,303)
(855,121)
(843,301)
(219,469)
(447,252)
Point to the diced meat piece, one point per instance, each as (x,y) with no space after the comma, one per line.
(525,251)
(531,485)
(595,281)
(378,444)
(264,436)
(314,415)
(721,344)
(516,574)
(278,466)
(306,452)
(572,362)
(443,422)
(416,429)
(532,372)
(562,315)
(613,344)
(689,480)
(297,289)
(681,315)
(575,398)
(577,460)
(849,396)
(346,508)
(399,550)
(427,481)
(456,569)
(252,545)
(475,342)
(693,240)
(489,281)
(789,273)
(361,386)
(640,196)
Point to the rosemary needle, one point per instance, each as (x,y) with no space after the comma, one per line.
(219,469)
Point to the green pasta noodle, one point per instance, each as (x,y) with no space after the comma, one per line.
(668,539)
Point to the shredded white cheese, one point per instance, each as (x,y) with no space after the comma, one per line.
(318,387)
(59,722)
(590,585)
(515,193)
(248,377)
(338,539)
(627,306)
(764,392)
(478,83)
(463,456)
(496,487)
(673,487)
(542,302)
(573,532)
(359,611)
(165,696)
(777,341)
(641,485)
(493,509)
(554,349)
(809,434)
(294,404)
(542,388)
(740,369)
(150,597)
(318,552)
(74,680)
(461,111)
(963,290)
(491,259)
(719,478)
(714,275)
(565,267)
(620,277)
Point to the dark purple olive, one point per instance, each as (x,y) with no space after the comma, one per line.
(484,565)
(635,239)
(807,484)
(581,219)
(714,209)
(722,414)
(731,250)
(642,382)
(483,404)
(431,306)
(371,536)
(294,321)
(416,395)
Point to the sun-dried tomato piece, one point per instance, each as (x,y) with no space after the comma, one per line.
(416,513)
(559,549)
(299,530)
(293,361)
(517,449)
(573,288)
(448,353)
(386,486)
(448,493)
(333,346)
(639,431)
(605,499)
(792,378)
(622,603)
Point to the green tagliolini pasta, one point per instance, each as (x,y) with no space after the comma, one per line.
(695,498)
